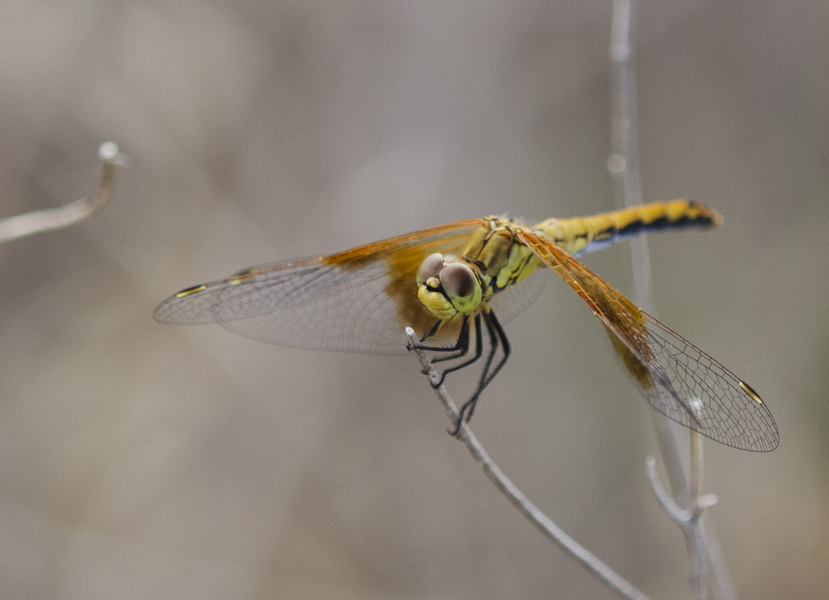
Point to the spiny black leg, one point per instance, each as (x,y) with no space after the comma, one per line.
(461,346)
(459,350)
(496,337)
(492,322)
(479,350)
(469,406)
(432,331)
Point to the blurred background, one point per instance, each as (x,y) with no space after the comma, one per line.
(140,460)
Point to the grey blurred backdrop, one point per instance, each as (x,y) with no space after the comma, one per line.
(146,461)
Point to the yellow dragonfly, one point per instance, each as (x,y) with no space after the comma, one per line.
(448,282)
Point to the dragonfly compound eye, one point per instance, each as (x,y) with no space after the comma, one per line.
(430,267)
(461,287)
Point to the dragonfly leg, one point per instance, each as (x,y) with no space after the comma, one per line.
(479,351)
(496,337)
(494,326)
(460,349)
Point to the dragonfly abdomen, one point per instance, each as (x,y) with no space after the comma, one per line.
(588,234)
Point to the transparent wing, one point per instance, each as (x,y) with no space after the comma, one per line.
(359,300)
(308,305)
(678,379)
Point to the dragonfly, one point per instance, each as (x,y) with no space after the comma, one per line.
(448,283)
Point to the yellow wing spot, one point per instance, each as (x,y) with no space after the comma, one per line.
(747,389)
(190,291)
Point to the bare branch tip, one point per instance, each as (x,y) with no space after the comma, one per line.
(108,153)
(707,501)
(18,226)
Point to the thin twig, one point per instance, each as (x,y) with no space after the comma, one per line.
(39,221)
(513,494)
(691,526)
(624,165)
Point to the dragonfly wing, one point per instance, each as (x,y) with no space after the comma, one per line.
(678,379)
(728,410)
(515,299)
(359,300)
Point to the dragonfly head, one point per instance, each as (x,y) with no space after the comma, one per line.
(446,289)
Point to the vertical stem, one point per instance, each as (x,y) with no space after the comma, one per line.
(623,163)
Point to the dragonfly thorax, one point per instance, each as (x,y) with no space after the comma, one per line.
(503,258)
